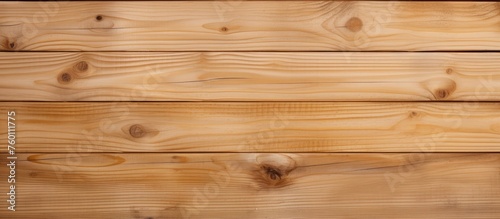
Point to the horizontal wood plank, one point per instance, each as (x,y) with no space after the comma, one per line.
(249,26)
(249,76)
(244,185)
(255,127)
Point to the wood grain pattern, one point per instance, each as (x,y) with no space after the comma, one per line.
(256,127)
(363,91)
(249,26)
(249,76)
(257,186)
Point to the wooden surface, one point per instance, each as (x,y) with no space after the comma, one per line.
(251,109)
(249,26)
(243,76)
(257,127)
(361,185)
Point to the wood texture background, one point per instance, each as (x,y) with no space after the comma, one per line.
(257,127)
(249,76)
(249,185)
(250,26)
(252,109)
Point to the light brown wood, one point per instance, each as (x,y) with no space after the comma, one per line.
(256,127)
(256,186)
(245,76)
(249,26)
(308,109)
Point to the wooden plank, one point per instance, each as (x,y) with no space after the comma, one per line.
(249,26)
(162,185)
(249,76)
(255,127)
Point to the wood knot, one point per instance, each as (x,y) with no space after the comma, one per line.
(98,17)
(9,44)
(224,29)
(354,24)
(137,131)
(413,114)
(449,71)
(81,66)
(441,88)
(272,173)
(442,93)
(65,78)
(273,170)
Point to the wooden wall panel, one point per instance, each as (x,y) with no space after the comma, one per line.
(256,127)
(163,185)
(249,26)
(250,109)
(249,76)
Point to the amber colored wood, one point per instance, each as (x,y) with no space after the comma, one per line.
(256,127)
(249,26)
(248,185)
(249,76)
